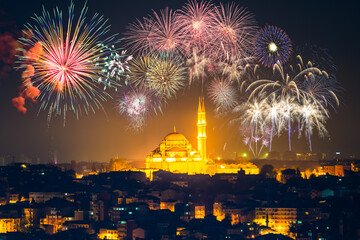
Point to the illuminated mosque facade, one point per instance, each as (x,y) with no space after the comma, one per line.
(176,154)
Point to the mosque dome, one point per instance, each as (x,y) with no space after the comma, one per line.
(175,136)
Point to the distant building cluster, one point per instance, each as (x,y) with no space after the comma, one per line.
(50,202)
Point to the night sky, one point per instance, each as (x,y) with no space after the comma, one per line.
(333,25)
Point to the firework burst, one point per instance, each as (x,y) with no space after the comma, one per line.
(301,95)
(272,45)
(166,76)
(139,70)
(222,94)
(163,76)
(234,31)
(197,25)
(137,104)
(115,68)
(159,33)
(67,68)
(139,36)
(319,57)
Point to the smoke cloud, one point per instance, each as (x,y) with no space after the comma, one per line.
(27,91)
(19,104)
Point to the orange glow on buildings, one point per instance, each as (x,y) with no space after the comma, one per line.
(168,205)
(199,212)
(176,154)
(279,219)
(9,225)
(108,234)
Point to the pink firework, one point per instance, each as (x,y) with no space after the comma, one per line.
(139,36)
(197,25)
(160,33)
(234,32)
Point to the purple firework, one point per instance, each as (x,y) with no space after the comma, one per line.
(272,45)
(222,94)
(136,104)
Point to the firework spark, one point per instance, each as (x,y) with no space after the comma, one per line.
(137,104)
(166,76)
(197,25)
(65,72)
(234,32)
(139,69)
(197,67)
(272,113)
(311,116)
(115,68)
(250,113)
(159,33)
(222,94)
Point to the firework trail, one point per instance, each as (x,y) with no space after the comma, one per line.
(321,89)
(272,45)
(197,67)
(68,68)
(311,116)
(257,143)
(272,113)
(250,113)
(281,84)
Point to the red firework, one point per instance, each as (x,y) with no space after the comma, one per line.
(234,31)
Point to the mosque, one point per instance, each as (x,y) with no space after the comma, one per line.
(176,154)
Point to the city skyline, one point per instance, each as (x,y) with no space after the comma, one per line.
(101,136)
